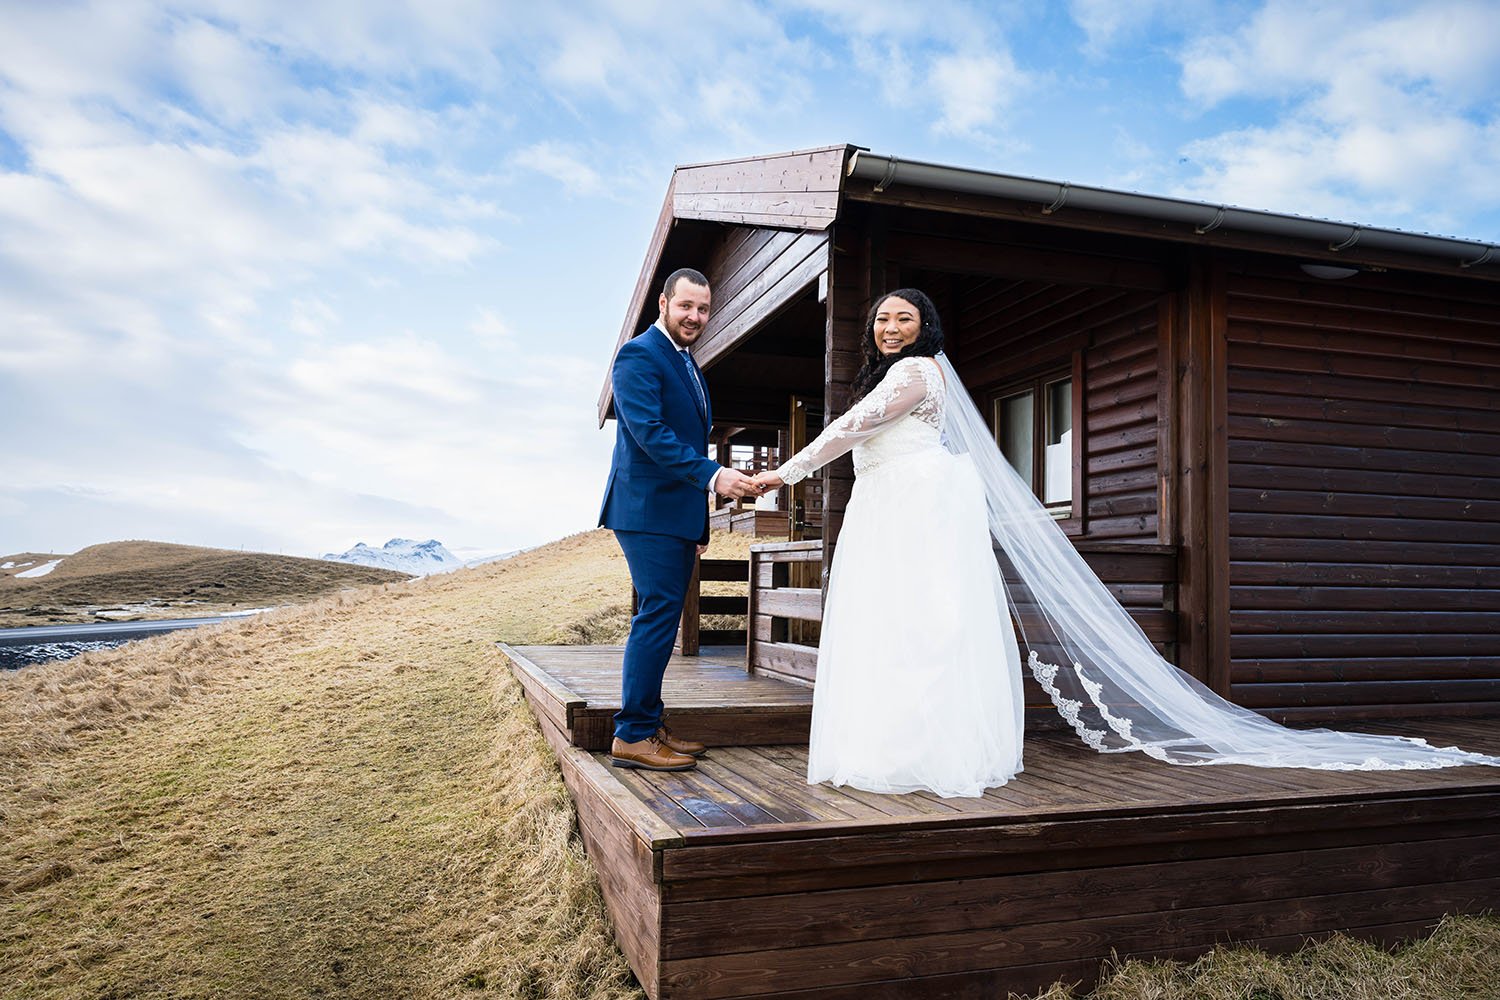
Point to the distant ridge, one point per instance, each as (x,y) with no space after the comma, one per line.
(402,555)
(141,579)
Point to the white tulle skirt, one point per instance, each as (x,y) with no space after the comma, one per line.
(919,678)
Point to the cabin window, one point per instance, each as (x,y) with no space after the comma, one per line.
(1034,428)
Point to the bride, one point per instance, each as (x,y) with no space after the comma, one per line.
(919,677)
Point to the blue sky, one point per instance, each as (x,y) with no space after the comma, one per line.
(291,276)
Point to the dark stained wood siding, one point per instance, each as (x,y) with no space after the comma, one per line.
(1120,400)
(755,273)
(1364,494)
(1011,329)
(848,299)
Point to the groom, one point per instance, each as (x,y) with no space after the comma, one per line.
(657,506)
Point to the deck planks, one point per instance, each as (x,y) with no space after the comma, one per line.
(709,697)
(740,879)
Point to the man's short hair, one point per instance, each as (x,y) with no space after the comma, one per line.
(693,277)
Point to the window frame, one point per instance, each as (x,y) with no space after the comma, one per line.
(1069,513)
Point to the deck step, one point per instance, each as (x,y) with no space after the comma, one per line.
(709,697)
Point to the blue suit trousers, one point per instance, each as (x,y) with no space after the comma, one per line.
(661,566)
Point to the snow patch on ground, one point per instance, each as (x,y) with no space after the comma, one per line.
(41,570)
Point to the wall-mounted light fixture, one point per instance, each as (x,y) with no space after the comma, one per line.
(1328,272)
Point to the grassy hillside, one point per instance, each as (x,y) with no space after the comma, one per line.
(161,580)
(21,562)
(350,799)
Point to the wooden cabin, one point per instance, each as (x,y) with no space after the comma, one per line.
(1276,438)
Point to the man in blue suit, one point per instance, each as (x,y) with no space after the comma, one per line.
(657,505)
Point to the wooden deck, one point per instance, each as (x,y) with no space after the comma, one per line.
(741,880)
(709,695)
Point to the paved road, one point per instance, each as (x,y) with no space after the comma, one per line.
(34,635)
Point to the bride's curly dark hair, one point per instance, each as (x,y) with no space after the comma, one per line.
(928,343)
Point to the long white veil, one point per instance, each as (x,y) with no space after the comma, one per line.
(1101,670)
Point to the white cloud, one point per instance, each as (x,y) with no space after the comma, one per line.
(952,61)
(408,419)
(889,18)
(386,123)
(1111,24)
(311,317)
(1383,117)
(229,81)
(566,166)
(492,331)
(973,89)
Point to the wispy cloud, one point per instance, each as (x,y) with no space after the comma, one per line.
(951,63)
(567,167)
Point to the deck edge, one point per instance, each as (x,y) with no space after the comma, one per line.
(570,700)
(647,827)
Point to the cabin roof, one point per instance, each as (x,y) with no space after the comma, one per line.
(805,189)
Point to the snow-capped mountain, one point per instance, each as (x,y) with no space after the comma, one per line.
(402,555)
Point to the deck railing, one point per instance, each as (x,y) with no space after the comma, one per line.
(691,635)
(786,600)
(785,610)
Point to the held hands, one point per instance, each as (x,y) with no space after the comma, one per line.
(765,482)
(735,484)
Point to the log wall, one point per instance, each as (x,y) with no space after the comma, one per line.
(1009,329)
(1364,494)
(755,274)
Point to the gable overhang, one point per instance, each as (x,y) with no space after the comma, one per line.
(796,191)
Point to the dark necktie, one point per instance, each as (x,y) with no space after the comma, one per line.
(693,374)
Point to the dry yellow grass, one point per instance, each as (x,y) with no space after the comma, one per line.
(1460,960)
(346,798)
(350,799)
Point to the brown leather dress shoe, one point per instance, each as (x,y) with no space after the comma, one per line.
(649,754)
(679,745)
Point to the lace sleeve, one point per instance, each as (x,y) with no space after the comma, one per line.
(902,390)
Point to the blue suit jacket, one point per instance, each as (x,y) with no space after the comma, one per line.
(660,473)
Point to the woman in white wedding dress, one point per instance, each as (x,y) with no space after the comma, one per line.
(919,680)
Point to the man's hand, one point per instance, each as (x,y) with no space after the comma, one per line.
(734,484)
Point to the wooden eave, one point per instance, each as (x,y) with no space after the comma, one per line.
(798,190)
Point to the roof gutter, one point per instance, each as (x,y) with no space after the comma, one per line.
(1203,217)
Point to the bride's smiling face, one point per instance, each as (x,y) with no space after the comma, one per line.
(897,323)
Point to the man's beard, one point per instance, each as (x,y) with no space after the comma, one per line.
(675,331)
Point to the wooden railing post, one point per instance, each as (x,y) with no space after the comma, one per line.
(687,631)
